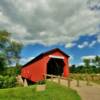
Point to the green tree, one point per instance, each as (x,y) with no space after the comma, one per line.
(4,41)
(9,50)
(73,69)
(94,69)
(96,61)
(80,69)
(15,50)
(87,65)
(2,62)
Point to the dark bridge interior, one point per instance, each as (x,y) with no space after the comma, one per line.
(55,66)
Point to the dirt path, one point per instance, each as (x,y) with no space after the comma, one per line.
(91,92)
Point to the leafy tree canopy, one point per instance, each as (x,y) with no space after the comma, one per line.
(9,50)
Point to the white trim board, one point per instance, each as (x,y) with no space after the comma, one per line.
(59,57)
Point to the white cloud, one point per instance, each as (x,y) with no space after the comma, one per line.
(80,64)
(71,57)
(88,57)
(25,60)
(91,57)
(98,38)
(92,43)
(49,21)
(69,45)
(4,21)
(85,44)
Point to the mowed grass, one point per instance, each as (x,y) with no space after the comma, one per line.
(53,92)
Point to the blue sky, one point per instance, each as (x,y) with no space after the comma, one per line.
(71,25)
(76,52)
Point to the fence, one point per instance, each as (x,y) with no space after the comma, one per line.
(68,80)
(59,78)
(76,77)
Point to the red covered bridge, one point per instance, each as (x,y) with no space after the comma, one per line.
(53,62)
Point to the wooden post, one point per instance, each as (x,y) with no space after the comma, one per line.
(92,77)
(51,77)
(59,80)
(25,83)
(68,82)
(77,83)
(20,80)
(87,81)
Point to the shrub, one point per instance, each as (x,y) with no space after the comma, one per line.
(7,81)
(41,82)
(1,81)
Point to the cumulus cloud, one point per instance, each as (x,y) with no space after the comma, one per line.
(98,38)
(69,45)
(25,60)
(88,57)
(92,43)
(71,57)
(85,44)
(49,21)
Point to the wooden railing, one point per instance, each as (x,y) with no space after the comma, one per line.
(68,79)
(59,78)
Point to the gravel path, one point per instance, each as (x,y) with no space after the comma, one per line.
(90,92)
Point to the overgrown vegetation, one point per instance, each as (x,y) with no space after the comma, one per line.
(7,81)
(9,50)
(9,55)
(90,66)
(90,71)
(41,82)
(97,81)
(53,92)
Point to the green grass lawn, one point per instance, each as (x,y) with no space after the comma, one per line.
(53,92)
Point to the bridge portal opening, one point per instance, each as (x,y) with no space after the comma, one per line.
(55,66)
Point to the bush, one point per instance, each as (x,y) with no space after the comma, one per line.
(41,82)
(10,71)
(7,81)
(1,81)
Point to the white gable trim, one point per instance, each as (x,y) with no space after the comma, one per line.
(53,56)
